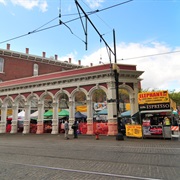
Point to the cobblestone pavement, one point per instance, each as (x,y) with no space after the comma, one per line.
(51,157)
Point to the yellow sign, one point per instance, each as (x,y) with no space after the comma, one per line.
(9,112)
(134,131)
(128,106)
(81,108)
(153,97)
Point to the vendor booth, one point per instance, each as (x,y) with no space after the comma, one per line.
(155,114)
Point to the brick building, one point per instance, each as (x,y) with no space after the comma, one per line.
(15,65)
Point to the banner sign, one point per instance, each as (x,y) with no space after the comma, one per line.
(134,131)
(161,106)
(152,130)
(153,97)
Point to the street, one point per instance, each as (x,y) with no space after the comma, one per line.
(51,157)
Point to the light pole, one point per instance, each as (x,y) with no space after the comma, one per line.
(119,135)
(116,73)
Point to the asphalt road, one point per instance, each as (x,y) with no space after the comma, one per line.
(51,157)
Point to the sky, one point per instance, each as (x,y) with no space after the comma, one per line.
(146,34)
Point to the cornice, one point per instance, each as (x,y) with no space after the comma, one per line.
(73,81)
(9,53)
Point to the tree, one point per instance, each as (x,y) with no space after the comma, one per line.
(175,96)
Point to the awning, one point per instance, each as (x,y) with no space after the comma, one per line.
(156,111)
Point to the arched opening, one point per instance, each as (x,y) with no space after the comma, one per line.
(48,113)
(81,111)
(100,121)
(8,111)
(21,115)
(63,110)
(33,114)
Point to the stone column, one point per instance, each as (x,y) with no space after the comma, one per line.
(26,128)
(136,90)
(3,119)
(71,115)
(89,117)
(112,109)
(55,121)
(40,122)
(14,123)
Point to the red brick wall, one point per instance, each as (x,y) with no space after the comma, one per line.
(15,68)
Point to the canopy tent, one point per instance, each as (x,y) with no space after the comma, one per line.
(49,113)
(175,112)
(34,115)
(126,114)
(79,115)
(63,113)
(21,116)
(102,112)
(136,117)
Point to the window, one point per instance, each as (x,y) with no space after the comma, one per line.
(1,65)
(36,70)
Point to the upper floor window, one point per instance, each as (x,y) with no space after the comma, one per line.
(1,65)
(36,70)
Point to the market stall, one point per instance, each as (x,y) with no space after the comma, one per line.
(155,114)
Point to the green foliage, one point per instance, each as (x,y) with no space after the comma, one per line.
(175,96)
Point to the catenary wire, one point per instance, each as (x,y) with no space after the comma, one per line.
(39,30)
(150,55)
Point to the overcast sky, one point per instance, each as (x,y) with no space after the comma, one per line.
(146,33)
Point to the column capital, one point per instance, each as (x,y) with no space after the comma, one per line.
(26,106)
(3,108)
(14,107)
(71,103)
(54,104)
(40,105)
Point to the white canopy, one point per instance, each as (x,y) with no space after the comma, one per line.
(21,115)
(34,114)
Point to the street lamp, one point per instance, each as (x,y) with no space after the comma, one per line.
(116,74)
(119,135)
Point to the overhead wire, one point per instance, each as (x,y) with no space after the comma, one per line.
(39,28)
(150,55)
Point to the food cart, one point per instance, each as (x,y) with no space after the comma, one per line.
(155,114)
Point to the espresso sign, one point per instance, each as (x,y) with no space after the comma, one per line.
(161,106)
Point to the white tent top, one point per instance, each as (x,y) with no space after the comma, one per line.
(21,115)
(34,114)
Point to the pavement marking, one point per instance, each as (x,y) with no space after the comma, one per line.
(148,147)
(81,171)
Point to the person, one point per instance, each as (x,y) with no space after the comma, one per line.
(66,129)
(167,121)
(75,128)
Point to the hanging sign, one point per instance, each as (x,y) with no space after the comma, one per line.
(160,106)
(134,131)
(153,97)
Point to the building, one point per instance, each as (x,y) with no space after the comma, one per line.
(46,81)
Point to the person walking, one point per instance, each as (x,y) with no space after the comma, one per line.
(75,128)
(66,129)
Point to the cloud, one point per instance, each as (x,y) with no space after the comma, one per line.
(94,3)
(160,71)
(3,2)
(30,4)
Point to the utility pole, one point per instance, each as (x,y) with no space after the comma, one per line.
(115,68)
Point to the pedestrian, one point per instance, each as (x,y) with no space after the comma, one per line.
(75,128)
(66,129)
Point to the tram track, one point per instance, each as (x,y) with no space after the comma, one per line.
(88,159)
